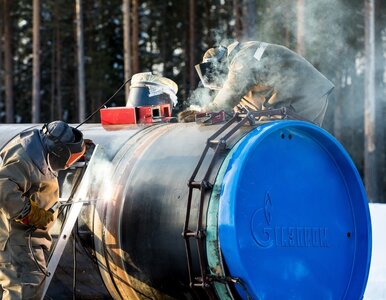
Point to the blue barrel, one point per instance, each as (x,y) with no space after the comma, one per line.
(289,218)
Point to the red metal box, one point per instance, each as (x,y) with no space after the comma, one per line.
(118,115)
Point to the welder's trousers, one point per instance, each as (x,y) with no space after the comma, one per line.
(20,278)
(318,119)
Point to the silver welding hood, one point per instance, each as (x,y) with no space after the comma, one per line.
(214,69)
(64,144)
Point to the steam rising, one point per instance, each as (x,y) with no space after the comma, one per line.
(101,179)
(333,43)
(96,184)
(201,97)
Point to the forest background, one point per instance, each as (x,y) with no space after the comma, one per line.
(62,59)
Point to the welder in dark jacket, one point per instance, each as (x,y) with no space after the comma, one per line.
(256,75)
(28,189)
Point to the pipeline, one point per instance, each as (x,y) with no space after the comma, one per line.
(281,213)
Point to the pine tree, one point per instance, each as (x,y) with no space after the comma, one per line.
(8,63)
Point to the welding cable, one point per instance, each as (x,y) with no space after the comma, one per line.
(74,262)
(30,231)
(64,209)
(234,281)
(61,209)
(90,255)
(104,104)
(41,269)
(244,287)
(85,250)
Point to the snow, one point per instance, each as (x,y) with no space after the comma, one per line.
(376,285)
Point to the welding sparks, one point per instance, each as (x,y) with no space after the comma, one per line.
(100,179)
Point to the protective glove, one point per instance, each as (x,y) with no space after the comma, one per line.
(37,217)
(187,116)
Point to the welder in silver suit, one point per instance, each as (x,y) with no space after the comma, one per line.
(28,189)
(258,76)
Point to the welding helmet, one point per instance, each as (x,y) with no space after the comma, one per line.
(213,69)
(64,144)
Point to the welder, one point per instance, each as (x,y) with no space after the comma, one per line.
(28,189)
(259,76)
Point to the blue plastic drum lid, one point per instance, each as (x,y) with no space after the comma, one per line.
(293,216)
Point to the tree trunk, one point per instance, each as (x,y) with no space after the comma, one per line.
(380,9)
(192,44)
(135,37)
(56,90)
(338,115)
(370,168)
(58,64)
(300,27)
(8,63)
(36,63)
(80,54)
(164,44)
(1,54)
(185,76)
(126,44)
(287,25)
(208,23)
(52,81)
(249,19)
(237,13)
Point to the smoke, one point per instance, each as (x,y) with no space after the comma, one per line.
(212,77)
(96,183)
(100,178)
(333,43)
(202,96)
(334,39)
(199,98)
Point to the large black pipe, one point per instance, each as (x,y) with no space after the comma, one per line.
(134,229)
(138,231)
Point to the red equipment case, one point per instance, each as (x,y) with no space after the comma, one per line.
(133,115)
(118,115)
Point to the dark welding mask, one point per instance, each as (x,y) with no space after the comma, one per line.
(213,69)
(65,144)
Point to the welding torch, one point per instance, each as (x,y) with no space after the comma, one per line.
(63,202)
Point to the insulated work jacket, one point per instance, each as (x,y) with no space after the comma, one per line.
(272,76)
(23,172)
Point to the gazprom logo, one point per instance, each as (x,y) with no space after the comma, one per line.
(266,235)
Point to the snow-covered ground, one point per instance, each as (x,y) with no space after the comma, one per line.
(376,285)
